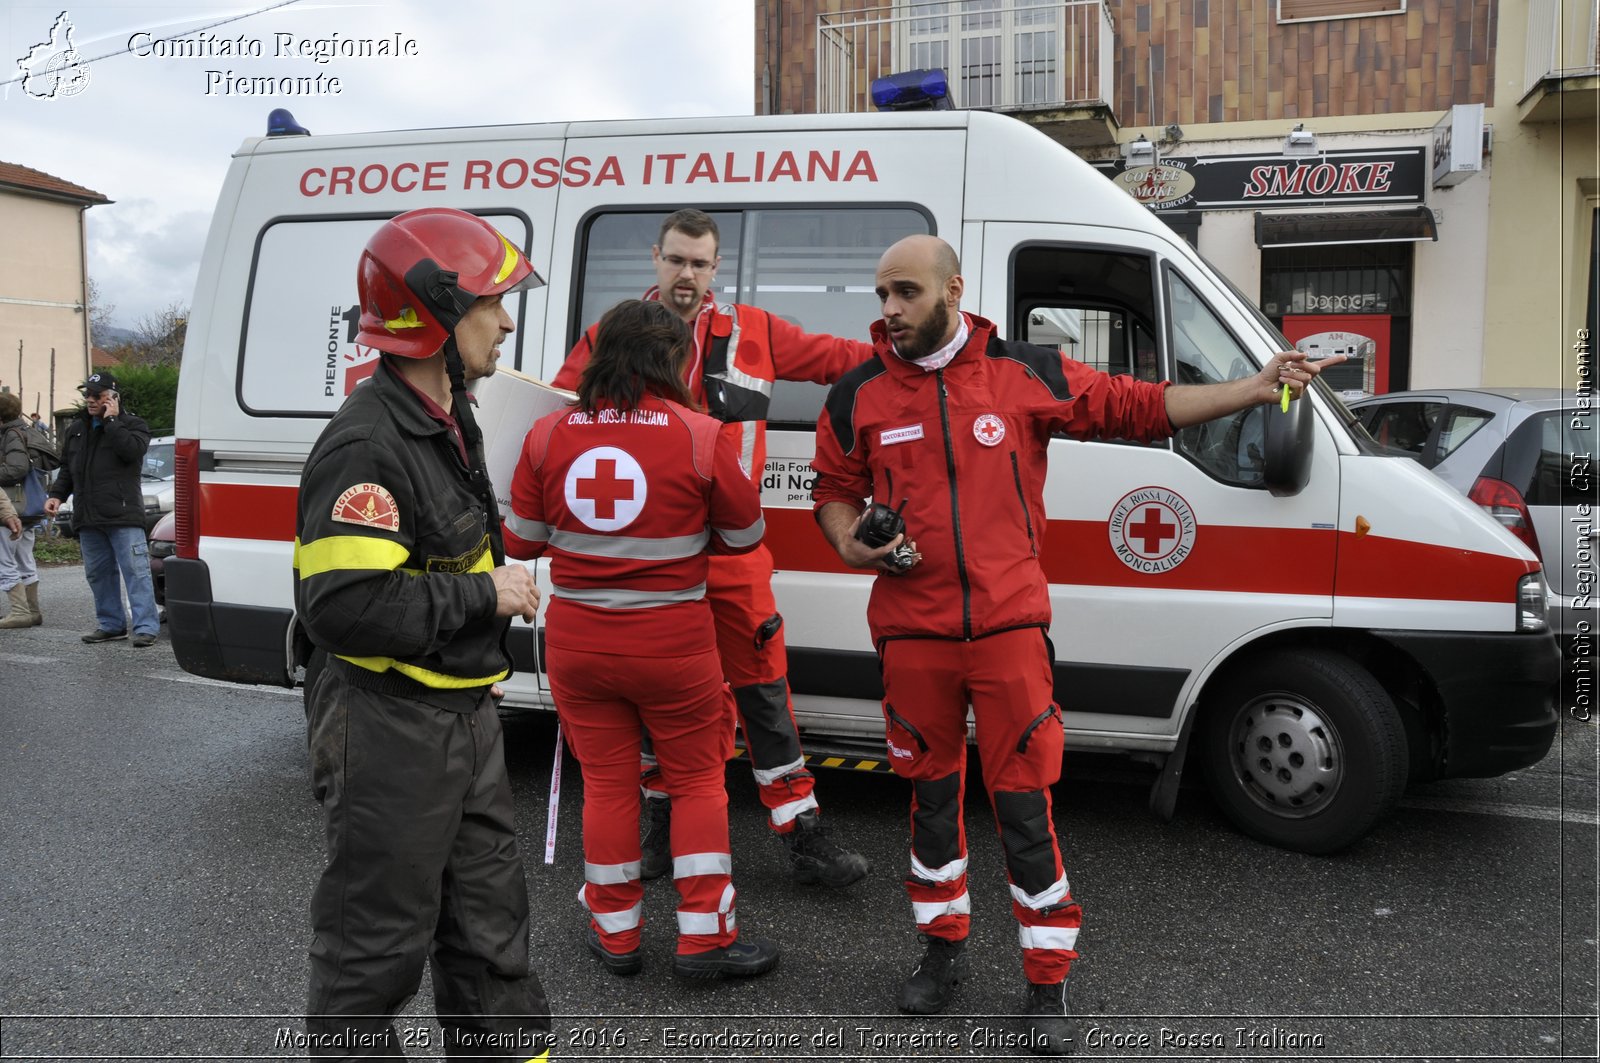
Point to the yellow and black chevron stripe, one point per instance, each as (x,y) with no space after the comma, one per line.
(830,760)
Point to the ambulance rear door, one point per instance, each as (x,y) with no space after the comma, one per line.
(1162,557)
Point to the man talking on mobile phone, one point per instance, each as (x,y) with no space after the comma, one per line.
(102,456)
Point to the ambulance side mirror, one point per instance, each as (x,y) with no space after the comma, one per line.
(1287,446)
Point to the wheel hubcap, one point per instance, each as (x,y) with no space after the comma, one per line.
(1287,756)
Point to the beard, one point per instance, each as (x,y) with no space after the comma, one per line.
(926,337)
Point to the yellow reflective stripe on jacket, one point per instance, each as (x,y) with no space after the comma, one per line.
(436,680)
(336,553)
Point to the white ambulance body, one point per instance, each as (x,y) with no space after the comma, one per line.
(1327,622)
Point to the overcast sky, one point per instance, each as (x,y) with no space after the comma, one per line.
(155,133)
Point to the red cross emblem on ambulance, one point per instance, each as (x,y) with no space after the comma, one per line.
(1152,530)
(989,429)
(605,488)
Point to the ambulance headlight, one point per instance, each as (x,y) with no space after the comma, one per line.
(1533,603)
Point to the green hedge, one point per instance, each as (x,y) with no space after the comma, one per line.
(151,391)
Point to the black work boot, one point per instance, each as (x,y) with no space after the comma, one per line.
(745,958)
(655,850)
(1048,1026)
(621,964)
(814,857)
(933,983)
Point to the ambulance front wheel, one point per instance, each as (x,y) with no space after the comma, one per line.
(1303,749)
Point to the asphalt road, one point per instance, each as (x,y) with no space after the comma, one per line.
(158,845)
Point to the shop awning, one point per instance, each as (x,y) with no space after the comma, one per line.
(1402,225)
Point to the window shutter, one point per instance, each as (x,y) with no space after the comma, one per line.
(1298,9)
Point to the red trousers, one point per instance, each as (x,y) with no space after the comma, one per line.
(1007,680)
(603,699)
(755,665)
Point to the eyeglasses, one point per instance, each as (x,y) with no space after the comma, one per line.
(677,262)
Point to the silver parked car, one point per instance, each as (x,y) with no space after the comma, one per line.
(1527,456)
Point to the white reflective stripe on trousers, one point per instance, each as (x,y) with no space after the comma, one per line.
(786,813)
(768,776)
(1055,893)
(717,922)
(612,922)
(1048,937)
(927,911)
(691,864)
(611,874)
(948,873)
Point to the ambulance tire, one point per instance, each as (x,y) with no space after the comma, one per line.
(1303,749)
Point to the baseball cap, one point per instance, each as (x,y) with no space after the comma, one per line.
(97,383)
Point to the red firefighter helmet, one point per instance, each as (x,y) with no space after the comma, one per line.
(423,269)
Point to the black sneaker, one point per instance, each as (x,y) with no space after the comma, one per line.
(814,857)
(1048,1026)
(141,642)
(933,983)
(655,849)
(743,959)
(621,964)
(101,635)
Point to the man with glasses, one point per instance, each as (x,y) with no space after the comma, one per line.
(738,352)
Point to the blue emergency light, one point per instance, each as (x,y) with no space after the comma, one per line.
(280,123)
(912,90)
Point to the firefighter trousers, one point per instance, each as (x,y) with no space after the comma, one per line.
(603,700)
(755,665)
(1007,679)
(422,865)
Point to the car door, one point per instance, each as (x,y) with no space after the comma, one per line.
(1160,556)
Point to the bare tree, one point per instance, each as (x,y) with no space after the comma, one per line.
(100,311)
(158,337)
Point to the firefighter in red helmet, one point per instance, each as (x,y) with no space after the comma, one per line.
(401,586)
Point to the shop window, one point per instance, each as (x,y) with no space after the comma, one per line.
(1307,10)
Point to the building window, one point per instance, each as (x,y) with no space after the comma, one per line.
(997,53)
(1308,10)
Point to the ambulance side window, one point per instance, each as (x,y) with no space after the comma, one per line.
(1109,340)
(811,266)
(1204,351)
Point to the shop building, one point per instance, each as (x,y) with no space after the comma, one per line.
(1348,164)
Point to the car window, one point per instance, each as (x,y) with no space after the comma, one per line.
(1205,352)
(1558,471)
(1405,425)
(158,462)
(1460,422)
(812,266)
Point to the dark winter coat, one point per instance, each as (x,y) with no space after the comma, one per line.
(101,469)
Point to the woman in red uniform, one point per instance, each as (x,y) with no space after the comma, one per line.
(627,491)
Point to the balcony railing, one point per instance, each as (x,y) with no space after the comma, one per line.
(1562,41)
(998,54)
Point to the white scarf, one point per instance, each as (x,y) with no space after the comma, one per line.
(941,358)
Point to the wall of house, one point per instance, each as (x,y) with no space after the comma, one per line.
(1200,61)
(48,268)
(1546,180)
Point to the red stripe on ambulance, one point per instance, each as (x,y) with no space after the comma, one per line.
(1236,559)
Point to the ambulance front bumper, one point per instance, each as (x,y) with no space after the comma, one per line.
(218,640)
(1498,696)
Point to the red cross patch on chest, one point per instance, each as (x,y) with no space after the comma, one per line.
(989,429)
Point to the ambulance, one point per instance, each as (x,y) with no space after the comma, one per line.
(1314,621)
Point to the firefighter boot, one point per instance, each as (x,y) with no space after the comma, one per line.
(1047,1024)
(814,857)
(33,604)
(933,983)
(655,850)
(20,615)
